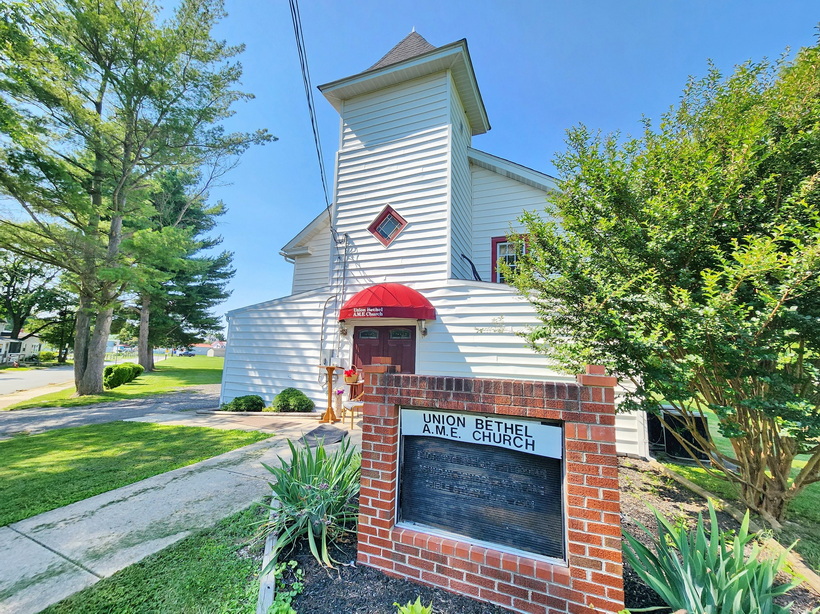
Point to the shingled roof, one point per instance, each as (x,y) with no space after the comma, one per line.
(409,47)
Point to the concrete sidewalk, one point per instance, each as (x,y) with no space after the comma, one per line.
(7,400)
(53,555)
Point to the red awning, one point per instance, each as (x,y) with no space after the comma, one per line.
(388,301)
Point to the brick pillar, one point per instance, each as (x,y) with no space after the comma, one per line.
(380,454)
(593,495)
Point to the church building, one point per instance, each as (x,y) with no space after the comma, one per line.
(404,263)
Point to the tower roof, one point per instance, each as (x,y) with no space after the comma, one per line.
(413,58)
(409,47)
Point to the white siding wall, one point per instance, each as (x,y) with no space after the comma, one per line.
(460,189)
(498,202)
(311,271)
(474,334)
(631,437)
(275,345)
(395,146)
(394,112)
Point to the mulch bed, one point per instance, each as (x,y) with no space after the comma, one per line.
(354,589)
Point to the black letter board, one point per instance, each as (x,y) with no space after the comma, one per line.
(484,492)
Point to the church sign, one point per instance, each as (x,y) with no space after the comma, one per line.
(503,490)
(493,478)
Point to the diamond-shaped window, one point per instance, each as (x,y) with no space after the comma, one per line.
(387,226)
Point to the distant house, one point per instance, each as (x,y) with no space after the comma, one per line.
(404,263)
(16,349)
(217,348)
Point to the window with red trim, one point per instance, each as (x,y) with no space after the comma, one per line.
(387,226)
(503,250)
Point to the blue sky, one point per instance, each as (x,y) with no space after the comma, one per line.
(542,66)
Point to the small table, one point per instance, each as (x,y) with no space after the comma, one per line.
(329,416)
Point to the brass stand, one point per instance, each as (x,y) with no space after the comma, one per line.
(329,416)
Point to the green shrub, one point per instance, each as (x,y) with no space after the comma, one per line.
(249,402)
(414,608)
(46,356)
(315,493)
(117,375)
(292,399)
(707,575)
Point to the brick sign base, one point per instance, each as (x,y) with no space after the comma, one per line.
(590,580)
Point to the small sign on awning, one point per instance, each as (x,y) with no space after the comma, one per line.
(388,301)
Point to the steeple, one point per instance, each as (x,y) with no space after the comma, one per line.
(409,47)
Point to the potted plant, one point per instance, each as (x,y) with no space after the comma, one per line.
(351,375)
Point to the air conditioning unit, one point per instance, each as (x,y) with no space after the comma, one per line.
(662,441)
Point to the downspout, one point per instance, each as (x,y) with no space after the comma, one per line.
(343,289)
(322,335)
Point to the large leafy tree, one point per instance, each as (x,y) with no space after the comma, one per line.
(27,289)
(173,306)
(96,97)
(688,262)
(56,329)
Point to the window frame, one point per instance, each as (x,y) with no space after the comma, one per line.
(388,211)
(494,258)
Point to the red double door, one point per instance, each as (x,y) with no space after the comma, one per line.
(397,342)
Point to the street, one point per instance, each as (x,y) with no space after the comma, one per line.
(13,381)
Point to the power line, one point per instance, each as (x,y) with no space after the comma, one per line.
(303,63)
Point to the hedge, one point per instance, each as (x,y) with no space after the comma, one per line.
(292,399)
(117,375)
(249,402)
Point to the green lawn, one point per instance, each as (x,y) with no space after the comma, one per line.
(803,517)
(49,470)
(213,571)
(170,375)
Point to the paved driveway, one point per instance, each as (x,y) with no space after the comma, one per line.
(12,381)
(44,419)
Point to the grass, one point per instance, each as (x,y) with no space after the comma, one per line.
(803,515)
(213,571)
(170,375)
(49,470)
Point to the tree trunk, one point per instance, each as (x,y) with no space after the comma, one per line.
(16,326)
(82,332)
(771,504)
(143,349)
(92,379)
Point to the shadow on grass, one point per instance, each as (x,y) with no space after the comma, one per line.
(50,470)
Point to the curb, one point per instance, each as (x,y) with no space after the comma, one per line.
(267,582)
(263,414)
(799,567)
